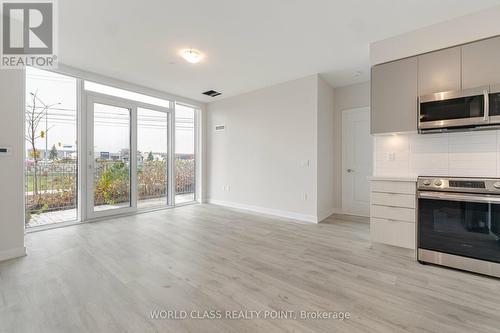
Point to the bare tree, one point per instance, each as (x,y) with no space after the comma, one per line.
(34,115)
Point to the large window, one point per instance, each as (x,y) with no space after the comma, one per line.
(51,148)
(126,94)
(185,143)
(119,148)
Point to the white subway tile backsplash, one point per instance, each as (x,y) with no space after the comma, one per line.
(473,142)
(473,163)
(475,137)
(419,164)
(432,143)
(392,142)
(454,154)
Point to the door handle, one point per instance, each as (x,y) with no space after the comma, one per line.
(91,165)
(486,97)
(350,170)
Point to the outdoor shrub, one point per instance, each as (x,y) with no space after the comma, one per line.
(184,175)
(152,179)
(112,181)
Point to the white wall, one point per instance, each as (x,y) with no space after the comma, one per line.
(326,159)
(349,97)
(11,167)
(458,154)
(267,155)
(292,130)
(460,30)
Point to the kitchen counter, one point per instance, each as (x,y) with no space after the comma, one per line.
(393,179)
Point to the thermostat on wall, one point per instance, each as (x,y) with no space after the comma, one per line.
(5,151)
(220,128)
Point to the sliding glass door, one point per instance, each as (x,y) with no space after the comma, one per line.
(128,156)
(152,158)
(185,151)
(109,159)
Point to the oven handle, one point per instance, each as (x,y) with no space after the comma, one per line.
(458,197)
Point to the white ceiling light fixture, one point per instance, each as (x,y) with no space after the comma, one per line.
(191,55)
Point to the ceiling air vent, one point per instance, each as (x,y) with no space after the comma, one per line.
(211,93)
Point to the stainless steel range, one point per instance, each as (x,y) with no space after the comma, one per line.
(458,223)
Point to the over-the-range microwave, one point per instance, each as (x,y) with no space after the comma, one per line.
(468,109)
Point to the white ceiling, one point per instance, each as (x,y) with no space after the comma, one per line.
(248,44)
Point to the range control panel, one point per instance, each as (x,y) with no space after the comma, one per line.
(472,185)
(466,184)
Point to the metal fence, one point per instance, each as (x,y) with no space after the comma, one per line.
(184,175)
(52,185)
(152,180)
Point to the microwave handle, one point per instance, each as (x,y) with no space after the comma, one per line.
(486,105)
(458,197)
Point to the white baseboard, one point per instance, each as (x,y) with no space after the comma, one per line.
(350,214)
(331,211)
(267,211)
(12,253)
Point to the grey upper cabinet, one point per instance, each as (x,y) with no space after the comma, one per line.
(439,71)
(394,97)
(481,63)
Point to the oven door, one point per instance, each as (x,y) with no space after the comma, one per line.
(454,109)
(460,224)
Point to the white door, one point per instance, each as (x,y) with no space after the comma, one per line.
(357,160)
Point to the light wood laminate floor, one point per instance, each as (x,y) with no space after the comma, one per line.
(108,276)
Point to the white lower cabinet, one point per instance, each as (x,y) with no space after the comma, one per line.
(392,212)
(393,199)
(392,232)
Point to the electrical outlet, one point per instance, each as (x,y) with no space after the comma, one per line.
(391,156)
